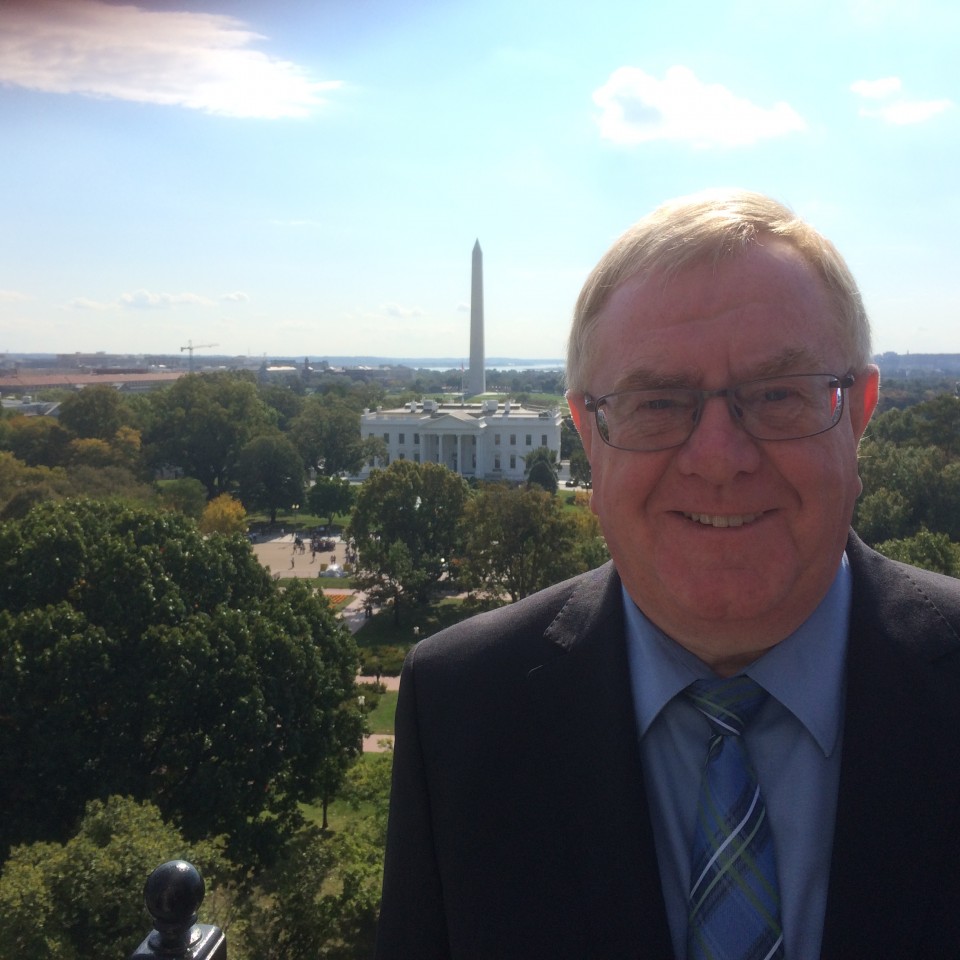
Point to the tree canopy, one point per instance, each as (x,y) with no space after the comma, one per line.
(96,413)
(406,523)
(202,422)
(138,657)
(78,899)
(271,474)
(327,434)
(519,540)
(330,496)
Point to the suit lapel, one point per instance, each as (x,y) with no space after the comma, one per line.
(581,694)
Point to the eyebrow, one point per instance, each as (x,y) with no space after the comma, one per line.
(789,360)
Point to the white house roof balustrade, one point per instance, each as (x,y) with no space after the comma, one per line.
(487,440)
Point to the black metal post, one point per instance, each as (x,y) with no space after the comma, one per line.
(173,894)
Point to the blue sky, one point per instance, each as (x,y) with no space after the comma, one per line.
(308,177)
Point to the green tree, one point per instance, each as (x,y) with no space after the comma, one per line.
(374,450)
(202,422)
(906,486)
(325,894)
(327,434)
(285,402)
(542,475)
(80,899)
(91,452)
(541,455)
(931,551)
(883,515)
(21,486)
(569,438)
(406,523)
(933,422)
(139,658)
(518,540)
(330,496)
(95,413)
(271,474)
(186,495)
(37,441)
(580,467)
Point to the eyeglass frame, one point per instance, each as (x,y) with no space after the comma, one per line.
(595,405)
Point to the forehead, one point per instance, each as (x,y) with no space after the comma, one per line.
(761,312)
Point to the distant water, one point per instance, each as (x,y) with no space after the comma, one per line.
(503,365)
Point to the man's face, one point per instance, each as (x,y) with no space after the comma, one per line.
(777,513)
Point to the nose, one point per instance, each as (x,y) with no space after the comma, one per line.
(719,448)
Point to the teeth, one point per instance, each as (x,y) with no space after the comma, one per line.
(716,520)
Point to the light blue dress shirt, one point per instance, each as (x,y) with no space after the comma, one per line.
(794,743)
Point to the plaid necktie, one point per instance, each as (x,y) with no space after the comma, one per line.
(734,900)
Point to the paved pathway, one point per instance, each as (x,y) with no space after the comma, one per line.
(278,556)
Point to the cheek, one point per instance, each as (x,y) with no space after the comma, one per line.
(828,487)
(622,485)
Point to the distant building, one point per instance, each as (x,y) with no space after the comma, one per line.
(488,441)
(918,364)
(26,406)
(26,381)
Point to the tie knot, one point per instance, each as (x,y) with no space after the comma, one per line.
(729,704)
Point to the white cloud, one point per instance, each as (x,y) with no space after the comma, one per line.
(84,303)
(196,60)
(403,313)
(877,89)
(145,300)
(638,108)
(897,110)
(13,296)
(903,112)
(237,297)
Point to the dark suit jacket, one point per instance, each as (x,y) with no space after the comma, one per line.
(519,825)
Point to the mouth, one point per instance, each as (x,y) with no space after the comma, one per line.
(722,521)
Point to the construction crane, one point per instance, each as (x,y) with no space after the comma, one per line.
(191,346)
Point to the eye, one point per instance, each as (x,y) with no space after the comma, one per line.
(658,403)
(773,394)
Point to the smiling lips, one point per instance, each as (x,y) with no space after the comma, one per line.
(718,520)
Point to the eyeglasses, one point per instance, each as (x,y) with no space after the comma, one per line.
(774,408)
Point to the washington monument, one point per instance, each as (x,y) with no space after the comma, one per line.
(477,377)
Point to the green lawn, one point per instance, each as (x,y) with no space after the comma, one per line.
(384,643)
(340,813)
(380,719)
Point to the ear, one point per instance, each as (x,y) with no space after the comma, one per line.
(863,399)
(582,419)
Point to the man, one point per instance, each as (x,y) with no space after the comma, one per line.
(554,760)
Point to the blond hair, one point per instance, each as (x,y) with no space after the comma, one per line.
(709,228)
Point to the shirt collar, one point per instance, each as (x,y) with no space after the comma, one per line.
(805,671)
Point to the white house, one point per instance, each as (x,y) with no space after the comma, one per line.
(488,441)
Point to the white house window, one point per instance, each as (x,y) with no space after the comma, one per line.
(513,439)
(529,440)
(416,439)
(402,438)
(513,461)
